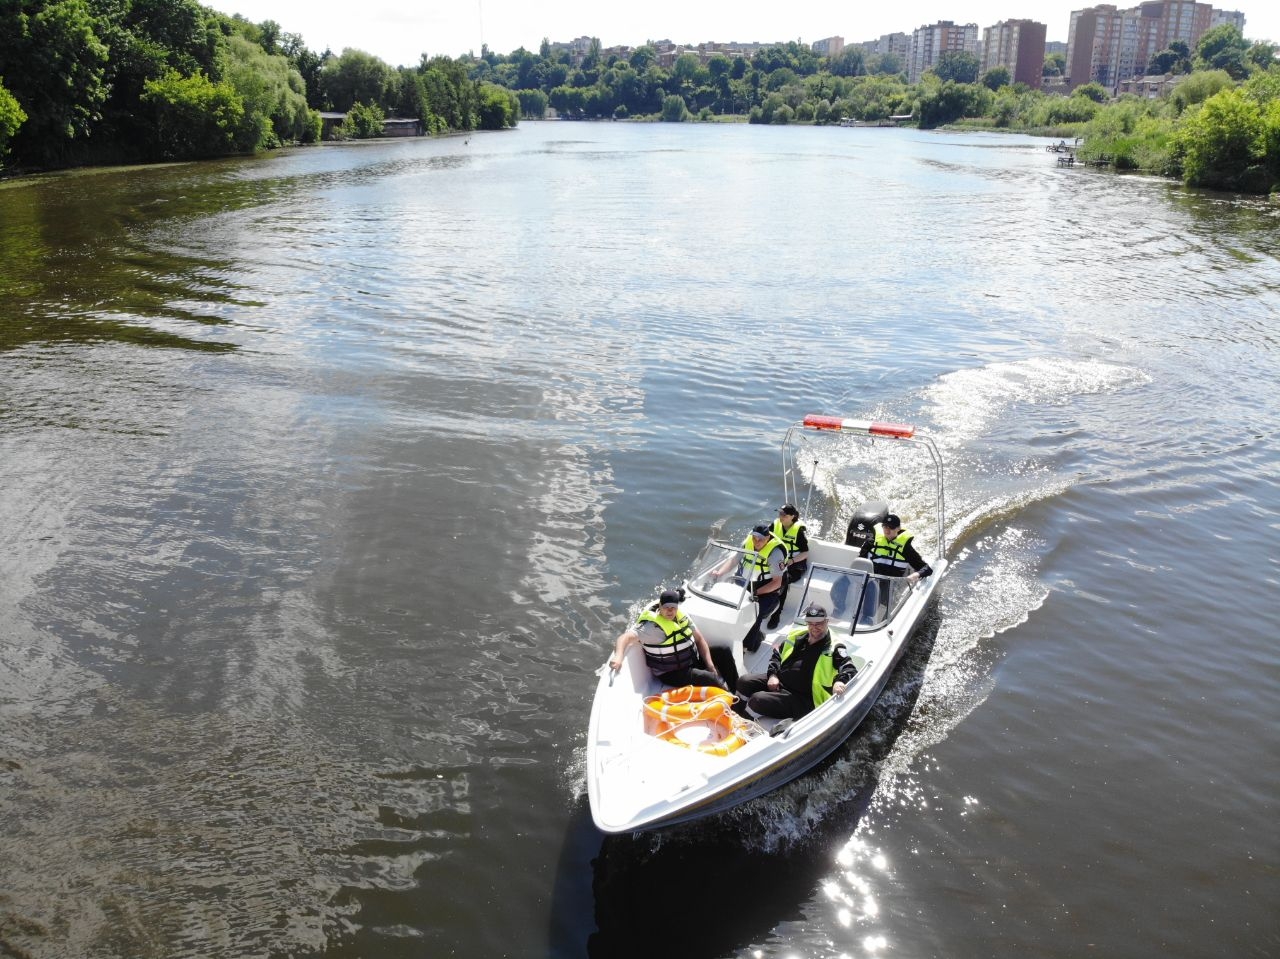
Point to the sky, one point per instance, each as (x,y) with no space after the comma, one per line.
(400,31)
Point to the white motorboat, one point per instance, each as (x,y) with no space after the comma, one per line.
(637,780)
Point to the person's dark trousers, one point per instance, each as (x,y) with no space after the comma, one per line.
(725,664)
(766,604)
(693,676)
(792,575)
(753,691)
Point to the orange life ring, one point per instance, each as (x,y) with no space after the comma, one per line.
(674,710)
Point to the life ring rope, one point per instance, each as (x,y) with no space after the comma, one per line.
(673,710)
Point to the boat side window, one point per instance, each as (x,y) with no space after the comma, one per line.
(895,590)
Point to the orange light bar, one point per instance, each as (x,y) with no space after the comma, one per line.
(901,431)
(816,422)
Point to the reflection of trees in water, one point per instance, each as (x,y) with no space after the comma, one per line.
(716,885)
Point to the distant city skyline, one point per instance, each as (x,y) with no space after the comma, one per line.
(400,32)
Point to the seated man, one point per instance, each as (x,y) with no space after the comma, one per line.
(804,672)
(674,647)
(892,554)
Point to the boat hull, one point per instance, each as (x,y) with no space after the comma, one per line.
(634,797)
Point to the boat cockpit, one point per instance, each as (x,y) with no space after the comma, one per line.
(837,578)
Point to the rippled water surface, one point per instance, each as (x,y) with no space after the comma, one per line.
(327,479)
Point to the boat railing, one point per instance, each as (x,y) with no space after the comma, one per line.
(872,430)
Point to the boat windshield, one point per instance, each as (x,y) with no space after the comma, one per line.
(855,598)
(717,574)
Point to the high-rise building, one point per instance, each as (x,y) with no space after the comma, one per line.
(829,48)
(895,44)
(1233,17)
(1017,45)
(929,42)
(1108,46)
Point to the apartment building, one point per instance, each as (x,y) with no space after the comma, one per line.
(1233,17)
(929,42)
(1107,45)
(1017,45)
(897,44)
(830,47)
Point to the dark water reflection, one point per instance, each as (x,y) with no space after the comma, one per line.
(329,477)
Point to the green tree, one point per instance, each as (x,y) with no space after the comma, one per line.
(363,122)
(194,117)
(498,107)
(1223,48)
(1198,87)
(1055,65)
(11,117)
(643,57)
(887,64)
(997,77)
(1222,140)
(1176,58)
(958,65)
(1262,55)
(1271,139)
(850,63)
(533,104)
(355,76)
(674,109)
(55,66)
(569,101)
(948,101)
(1091,91)
(273,93)
(685,70)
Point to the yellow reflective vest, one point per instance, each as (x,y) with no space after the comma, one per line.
(824,671)
(678,648)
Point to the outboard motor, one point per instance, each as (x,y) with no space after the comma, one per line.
(862,526)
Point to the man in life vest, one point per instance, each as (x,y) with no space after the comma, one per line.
(764,565)
(788,528)
(674,648)
(805,671)
(892,554)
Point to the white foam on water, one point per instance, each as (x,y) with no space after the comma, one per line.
(965,403)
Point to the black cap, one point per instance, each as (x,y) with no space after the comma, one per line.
(789,510)
(761,530)
(669,597)
(814,613)
(891,519)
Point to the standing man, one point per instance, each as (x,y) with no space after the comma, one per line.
(892,553)
(674,647)
(788,528)
(764,566)
(805,671)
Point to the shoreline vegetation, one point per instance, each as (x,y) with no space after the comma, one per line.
(149,81)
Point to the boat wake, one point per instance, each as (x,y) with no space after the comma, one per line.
(994,585)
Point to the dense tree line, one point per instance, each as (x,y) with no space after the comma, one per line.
(115,81)
(166,79)
(1219,127)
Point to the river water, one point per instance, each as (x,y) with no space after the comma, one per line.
(328,477)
